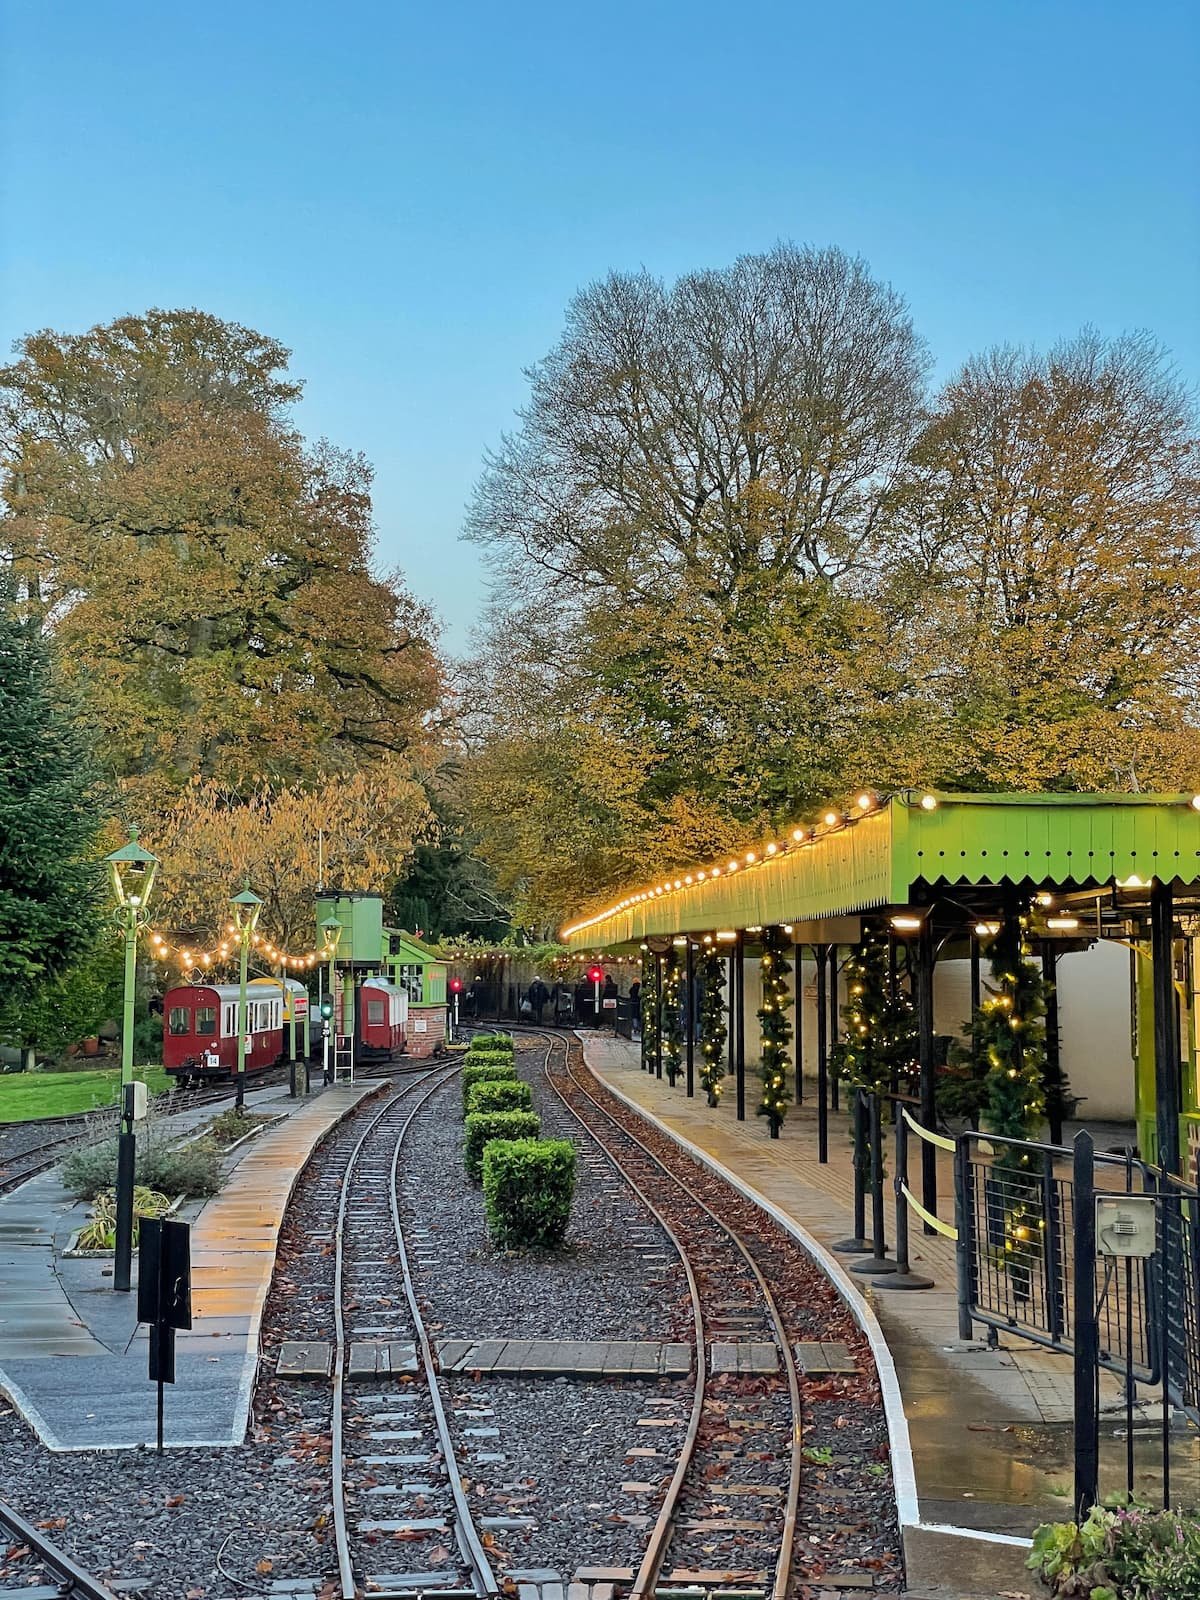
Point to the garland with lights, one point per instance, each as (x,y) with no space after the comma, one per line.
(672,1019)
(1009,1037)
(776,1027)
(713,1032)
(650,1012)
(879,1042)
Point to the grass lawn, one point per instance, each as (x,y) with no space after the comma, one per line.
(25,1095)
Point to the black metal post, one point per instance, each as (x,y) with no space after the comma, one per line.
(822,1060)
(1053,1083)
(903,1277)
(964,1252)
(926,1059)
(1087,1332)
(731,1031)
(690,1020)
(1167,1100)
(798,991)
(1165,1198)
(835,1087)
(123,1244)
(877,1262)
(860,1160)
(740,1025)
(658,1013)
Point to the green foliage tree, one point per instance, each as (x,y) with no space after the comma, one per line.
(776,1027)
(50,811)
(61,1011)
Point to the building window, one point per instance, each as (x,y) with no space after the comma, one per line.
(412,980)
(180,1021)
(206,1020)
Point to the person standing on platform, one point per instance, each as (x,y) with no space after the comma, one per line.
(538,995)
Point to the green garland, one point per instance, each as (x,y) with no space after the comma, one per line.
(713,1032)
(672,1018)
(879,1043)
(776,1027)
(649,1011)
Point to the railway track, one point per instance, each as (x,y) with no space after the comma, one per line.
(386,1434)
(732,1303)
(32,1567)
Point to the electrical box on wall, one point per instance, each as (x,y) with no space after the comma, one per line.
(1125,1225)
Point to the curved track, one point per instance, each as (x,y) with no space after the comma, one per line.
(369,1195)
(721,1271)
(44,1560)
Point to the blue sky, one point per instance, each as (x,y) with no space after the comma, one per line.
(408,196)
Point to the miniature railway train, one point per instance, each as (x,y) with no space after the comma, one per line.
(200,1025)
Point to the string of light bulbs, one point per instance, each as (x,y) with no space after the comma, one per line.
(189,957)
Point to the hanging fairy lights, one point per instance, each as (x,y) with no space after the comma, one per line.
(803,836)
(191,958)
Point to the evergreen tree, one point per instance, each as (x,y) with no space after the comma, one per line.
(49,877)
(672,1021)
(880,1040)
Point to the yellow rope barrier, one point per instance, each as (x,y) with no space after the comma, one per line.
(936,1223)
(924,1133)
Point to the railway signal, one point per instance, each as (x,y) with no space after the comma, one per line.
(456,985)
(596,976)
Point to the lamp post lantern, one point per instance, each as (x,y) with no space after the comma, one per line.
(132,870)
(246,909)
(331,930)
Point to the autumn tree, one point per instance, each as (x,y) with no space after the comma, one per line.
(207,577)
(1048,536)
(352,833)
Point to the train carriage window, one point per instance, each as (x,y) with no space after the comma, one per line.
(206,1020)
(374,1011)
(180,1021)
(229,1019)
(412,980)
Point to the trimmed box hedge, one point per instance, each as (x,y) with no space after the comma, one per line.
(485,1072)
(528,1186)
(505,1094)
(484,1125)
(493,1041)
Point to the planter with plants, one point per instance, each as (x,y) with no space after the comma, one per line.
(191,1170)
(1125,1553)
(98,1236)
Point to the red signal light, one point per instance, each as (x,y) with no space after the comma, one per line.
(456,985)
(595,975)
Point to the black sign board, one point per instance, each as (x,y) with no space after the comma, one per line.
(164,1295)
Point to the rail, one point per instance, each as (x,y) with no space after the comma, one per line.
(76,1583)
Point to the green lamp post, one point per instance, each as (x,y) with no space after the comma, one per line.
(246,909)
(331,932)
(132,870)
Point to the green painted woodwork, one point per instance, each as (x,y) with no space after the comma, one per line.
(406,951)
(361,917)
(882,856)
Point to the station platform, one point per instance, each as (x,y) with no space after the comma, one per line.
(73,1359)
(981,1447)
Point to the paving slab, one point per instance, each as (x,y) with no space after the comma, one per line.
(72,1357)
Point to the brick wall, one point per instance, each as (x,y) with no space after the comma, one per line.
(434,1018)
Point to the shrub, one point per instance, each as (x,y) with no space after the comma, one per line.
(493,1041)
(528,1185)
(100,1231)
(485,1072)
(490,1057)
(233,1125)
(1126,1554)
(508,1094)
(191,1169)
(484,1125)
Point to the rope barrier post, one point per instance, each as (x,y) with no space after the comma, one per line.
(904,1277)
(877,1263)
(857,1243)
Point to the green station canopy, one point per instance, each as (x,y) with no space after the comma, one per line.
(878,853)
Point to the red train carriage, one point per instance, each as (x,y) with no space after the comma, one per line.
(200,1024)
(382,1020)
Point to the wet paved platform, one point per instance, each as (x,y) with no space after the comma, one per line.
(983,1423)
(72,1356)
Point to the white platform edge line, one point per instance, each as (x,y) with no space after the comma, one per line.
(904,1480)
